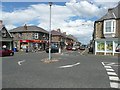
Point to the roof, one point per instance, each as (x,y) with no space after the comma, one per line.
(28,29)
(53,32)
(72,37)
(113,13)
(4,28)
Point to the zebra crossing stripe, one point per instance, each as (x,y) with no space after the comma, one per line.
(114,85)
(111,73)
(110,70)
(107,66)
(114,78)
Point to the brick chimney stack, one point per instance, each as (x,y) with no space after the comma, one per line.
(110,9)
(25,27)
(64,33)
(58,30)
(1,24)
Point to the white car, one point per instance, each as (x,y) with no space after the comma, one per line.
(74,48)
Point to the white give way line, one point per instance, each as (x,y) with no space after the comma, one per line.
(66,66)
(19,62)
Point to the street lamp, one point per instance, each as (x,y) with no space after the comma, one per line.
(50,4)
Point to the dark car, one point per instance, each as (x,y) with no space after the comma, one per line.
(82,48)
(54,49)
(90,50)
(6,52)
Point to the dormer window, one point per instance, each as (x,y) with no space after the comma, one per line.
(109,26)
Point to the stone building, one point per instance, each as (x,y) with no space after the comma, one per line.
(107,32)
(32,37)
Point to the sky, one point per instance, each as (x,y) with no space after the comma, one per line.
(73,17)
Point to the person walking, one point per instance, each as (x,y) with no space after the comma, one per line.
(26,49)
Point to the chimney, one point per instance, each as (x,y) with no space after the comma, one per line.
(58,30)
(110,9)
(1,24)
(64,33)
(25,27)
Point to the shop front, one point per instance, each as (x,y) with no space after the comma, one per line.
(109,46)
(32,45)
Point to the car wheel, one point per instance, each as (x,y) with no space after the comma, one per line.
(11,54)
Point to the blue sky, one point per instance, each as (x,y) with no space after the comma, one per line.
(74,17)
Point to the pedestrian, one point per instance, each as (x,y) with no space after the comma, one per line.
(26,49)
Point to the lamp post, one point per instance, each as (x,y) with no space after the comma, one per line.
(50,4)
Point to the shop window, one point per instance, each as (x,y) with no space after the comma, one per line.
(117,47)
(100,46)
(109,45)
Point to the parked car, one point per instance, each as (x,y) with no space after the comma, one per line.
(82,48)
(54,49)
(117,48)
(6,52)
(69,48)
(74,48)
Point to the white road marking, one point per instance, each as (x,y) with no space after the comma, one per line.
(82,52)
(66,66)
(112,64)
(111,73)
(109,69)
(19,62)
(107,66)
(114,78)
(114,85)
(103,63)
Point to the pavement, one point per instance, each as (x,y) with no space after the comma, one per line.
(71,70)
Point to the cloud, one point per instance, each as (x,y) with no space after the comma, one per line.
(61,17)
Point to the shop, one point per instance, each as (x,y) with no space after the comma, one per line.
(109,46)
(32,44)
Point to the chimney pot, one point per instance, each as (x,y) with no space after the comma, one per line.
(110,9)
(25,26)
(58,30)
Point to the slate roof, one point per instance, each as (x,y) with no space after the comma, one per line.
(72,37)
(29,29)
(114,13)
(53,32)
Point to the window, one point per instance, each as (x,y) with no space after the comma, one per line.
(109,26)
(109,45)
(117,46)
(100,46)
(20,35)
(35,36)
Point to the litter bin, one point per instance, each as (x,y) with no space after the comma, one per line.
(15,49)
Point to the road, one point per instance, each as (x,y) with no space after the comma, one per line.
(72,70)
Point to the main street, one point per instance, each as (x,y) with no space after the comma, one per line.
(72,70)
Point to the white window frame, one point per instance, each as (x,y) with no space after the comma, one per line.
(113,26)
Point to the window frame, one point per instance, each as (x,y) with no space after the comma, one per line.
(113,26)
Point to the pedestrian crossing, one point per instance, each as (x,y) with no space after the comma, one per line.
(113,77)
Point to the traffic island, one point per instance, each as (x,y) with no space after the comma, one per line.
(46,60)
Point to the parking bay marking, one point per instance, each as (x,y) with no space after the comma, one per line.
(67,66)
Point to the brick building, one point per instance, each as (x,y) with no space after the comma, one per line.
(31,36)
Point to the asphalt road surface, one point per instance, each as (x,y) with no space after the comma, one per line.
(72,70)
